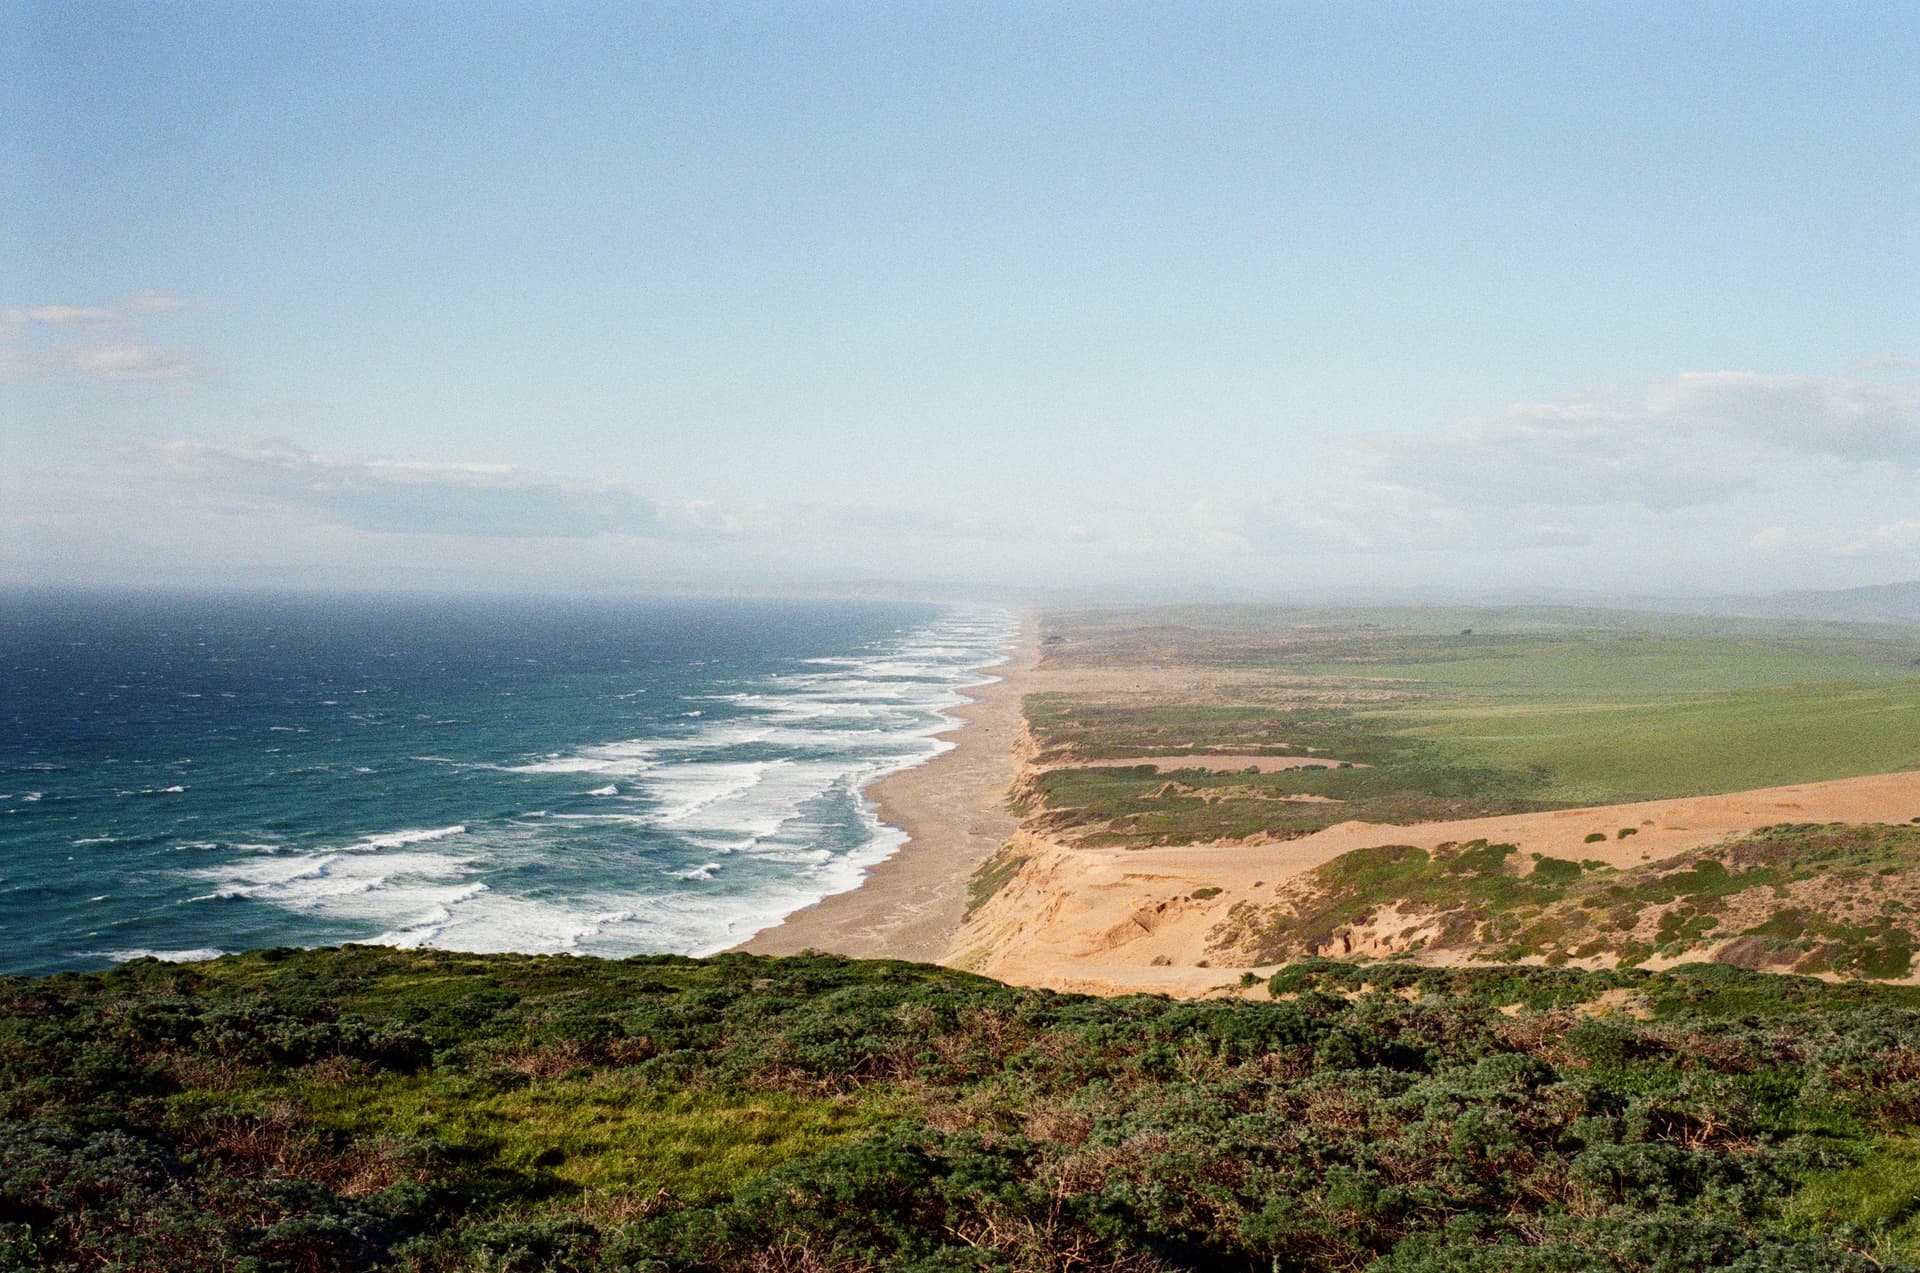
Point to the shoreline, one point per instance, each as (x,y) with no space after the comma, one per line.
(952,808)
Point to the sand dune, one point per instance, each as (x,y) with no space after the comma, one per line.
(1112,921)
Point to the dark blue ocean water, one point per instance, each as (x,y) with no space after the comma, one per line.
(181,775)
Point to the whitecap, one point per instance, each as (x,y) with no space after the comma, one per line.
(758,786)
(695,787)
(615,760)
(399,839)
(195,955)
(352,886)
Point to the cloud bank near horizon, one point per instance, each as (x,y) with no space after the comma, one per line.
(1692,439)
(1544,475)
(1594,476)
(268,478)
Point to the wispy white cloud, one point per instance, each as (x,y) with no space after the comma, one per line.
(95,342)
(1888,362)
(128,311)
(150,302)
(701,518)
(1349,516)
(1692,439)
(1901,538)
(263,475)
(275,484)
(62,316)
(1898,538)
(127,360)
(1795,415)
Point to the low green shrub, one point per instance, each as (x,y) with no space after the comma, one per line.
(371,1109)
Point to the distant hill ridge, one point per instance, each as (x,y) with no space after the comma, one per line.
(1874,603)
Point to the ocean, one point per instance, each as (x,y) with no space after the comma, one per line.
(183,775)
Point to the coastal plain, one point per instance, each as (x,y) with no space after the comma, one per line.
(1203,795)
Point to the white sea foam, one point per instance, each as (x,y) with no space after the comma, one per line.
(749,800)
(615,760)
(193,956)
(399,839)
(683,790)
(481,919)
(374,887)
(558,765)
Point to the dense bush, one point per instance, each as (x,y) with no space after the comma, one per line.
(366,1108)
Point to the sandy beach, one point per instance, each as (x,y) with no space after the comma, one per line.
(953,809)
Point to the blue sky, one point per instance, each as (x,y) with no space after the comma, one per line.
(1241,299)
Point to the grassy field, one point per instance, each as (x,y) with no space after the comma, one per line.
(336,1110)
(1600,750)
(1515,714)
(1143,806)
